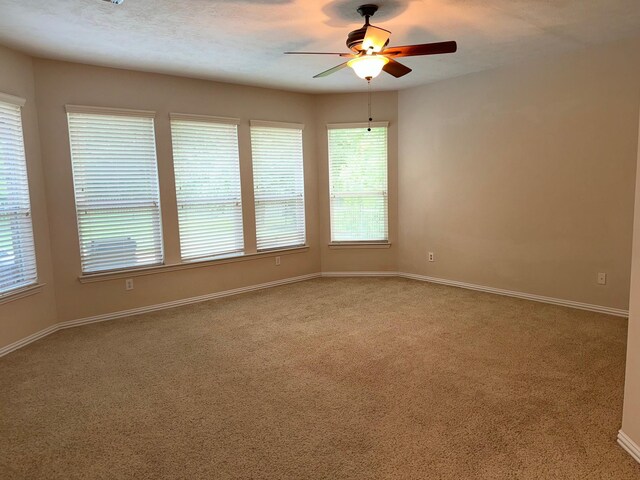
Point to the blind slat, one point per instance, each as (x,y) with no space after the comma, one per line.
(278,179)
(17,252)
(358,184)
(115,177)
(207,169)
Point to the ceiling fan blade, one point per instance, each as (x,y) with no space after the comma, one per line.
(375,39)
(321,53)
(331,70)
(396,68)
(422,49)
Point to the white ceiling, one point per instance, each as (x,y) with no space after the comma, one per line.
(242,41)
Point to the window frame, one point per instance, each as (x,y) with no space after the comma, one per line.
(381,243)
(286,126)
(123,112)
(31,283)
(207,119)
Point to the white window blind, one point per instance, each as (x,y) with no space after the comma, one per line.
(278,180)
(358,183)
(115,177)
(17,254)
(207,169)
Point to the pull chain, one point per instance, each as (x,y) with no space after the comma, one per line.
(370,117)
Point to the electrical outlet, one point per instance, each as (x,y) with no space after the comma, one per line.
(431,257)
(277,260)
(128,284)
(602,278)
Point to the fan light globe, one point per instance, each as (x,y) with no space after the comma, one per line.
(368,66)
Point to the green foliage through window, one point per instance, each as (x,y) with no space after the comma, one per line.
(358,184)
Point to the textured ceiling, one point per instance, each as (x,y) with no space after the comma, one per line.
(242,41)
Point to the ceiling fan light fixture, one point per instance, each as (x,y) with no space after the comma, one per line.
(368,66)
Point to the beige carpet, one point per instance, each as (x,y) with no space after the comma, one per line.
(326,379)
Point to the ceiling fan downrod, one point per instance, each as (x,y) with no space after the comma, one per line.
(367,11)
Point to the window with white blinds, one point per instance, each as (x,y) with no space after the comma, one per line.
(278,181)
(358,183)
(207,170)
(17,254)
(115,176)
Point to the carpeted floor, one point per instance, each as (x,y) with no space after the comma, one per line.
(326,379)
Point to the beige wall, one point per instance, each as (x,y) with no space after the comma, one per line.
(24,316)
(522,178)
(353,108)
(631,414)
(60,83)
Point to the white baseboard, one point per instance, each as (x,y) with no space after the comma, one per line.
(184,301)
(150,308)
(629,445)
(236,291)
(526,296)
(27,340)
(359,274)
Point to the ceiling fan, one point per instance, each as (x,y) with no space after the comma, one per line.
(371,53)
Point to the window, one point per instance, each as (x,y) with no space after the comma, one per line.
(207,168)
(115,176)
(358,183)
(278,182)
(17,253)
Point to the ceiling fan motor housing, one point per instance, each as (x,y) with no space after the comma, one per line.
(356,37)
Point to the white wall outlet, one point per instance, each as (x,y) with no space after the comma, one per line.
(128,284)
(431,257)
(277,260)
(602,278)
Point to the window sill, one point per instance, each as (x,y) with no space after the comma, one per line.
(341,245)
(137,272)
(21,293)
